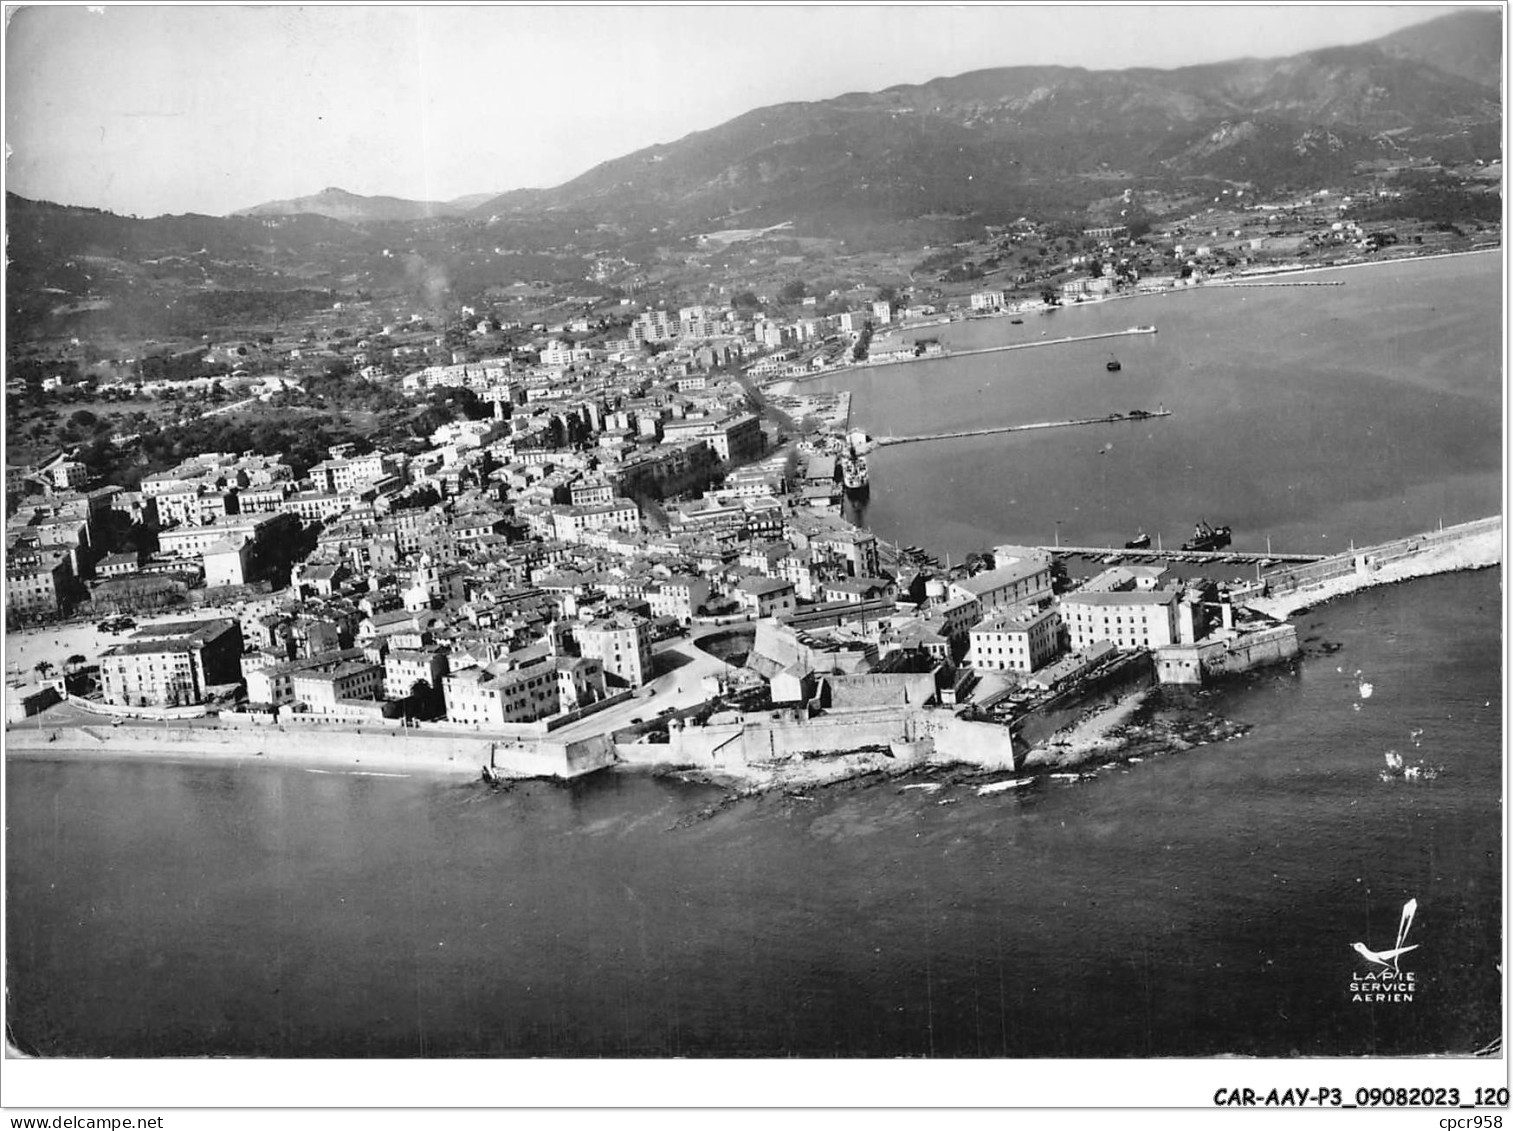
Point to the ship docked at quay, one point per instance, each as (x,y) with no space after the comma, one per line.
(1208,538)
(852,465)
(854,475)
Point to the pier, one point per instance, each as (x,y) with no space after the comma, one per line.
(1291,283)
(1226,556)
(947,355)
(1111,418)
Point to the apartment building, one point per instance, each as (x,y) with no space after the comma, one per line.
(622,643)
(1019,639)
(1130,619)
(172,665)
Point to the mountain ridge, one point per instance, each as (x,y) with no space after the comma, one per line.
(1251,119)
(997,131)
(349,207)
(922,164)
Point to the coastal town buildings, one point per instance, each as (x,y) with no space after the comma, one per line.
(1020,638)
(502,693)
(1013,581)
(1129,619)
(36,580)
(324,690)
(273,684)
(172,665)
(621,643)
(602,481)
(765,597)
(404,668)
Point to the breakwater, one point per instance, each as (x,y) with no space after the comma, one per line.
(1111,418)
(1289,283)
(1192,557)
(1467,545)
(1133,330)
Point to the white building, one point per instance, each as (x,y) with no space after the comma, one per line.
(570,523)
(1129,619)
(1019,639)
(492,696)
(1012,581)
(622,643)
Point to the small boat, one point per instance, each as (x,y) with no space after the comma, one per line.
(1000,786)
(1016,322)
(1141,541)
(1113,365)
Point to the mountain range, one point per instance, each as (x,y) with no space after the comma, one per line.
(338,204)
(1018,138)
(898,168)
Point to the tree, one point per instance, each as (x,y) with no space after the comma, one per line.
(794,291)
(859,351)
(747,300)
(43,668)
(76,661)
(1050,297)
(421,702)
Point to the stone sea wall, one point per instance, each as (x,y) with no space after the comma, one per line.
(904,733)
(329,747)
(1210,659)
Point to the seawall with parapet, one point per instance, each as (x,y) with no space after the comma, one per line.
(332,747)
(1467,545)
(772,740)
(766,743)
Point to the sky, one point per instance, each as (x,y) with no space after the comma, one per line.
(153,109)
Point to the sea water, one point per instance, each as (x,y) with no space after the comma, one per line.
(1195,903)
(1313,416)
